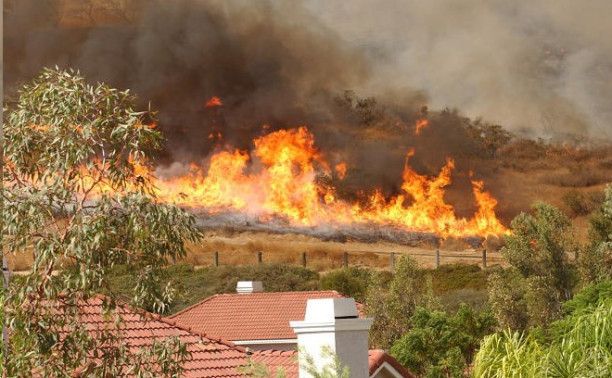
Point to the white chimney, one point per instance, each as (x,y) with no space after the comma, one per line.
(247,287)
(334,322)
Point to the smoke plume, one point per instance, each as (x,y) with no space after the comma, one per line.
(540,67)
(543,67)
(269,62)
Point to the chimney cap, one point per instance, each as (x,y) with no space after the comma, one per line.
(329,309)
(247,287)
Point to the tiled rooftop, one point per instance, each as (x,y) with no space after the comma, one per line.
(209,356)
(377,357)
(253,316)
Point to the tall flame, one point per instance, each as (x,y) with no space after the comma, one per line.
(285,186)
(420,124)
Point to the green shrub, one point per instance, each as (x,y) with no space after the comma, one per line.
(577,203)
(348,281)
(580,345)
(456,277)
(441,345)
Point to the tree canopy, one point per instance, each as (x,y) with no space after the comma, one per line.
(77,195)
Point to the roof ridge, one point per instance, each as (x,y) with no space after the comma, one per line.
(189,308)
(202,334)
(174,323)
(192,306)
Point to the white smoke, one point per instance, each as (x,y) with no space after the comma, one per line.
(540,66)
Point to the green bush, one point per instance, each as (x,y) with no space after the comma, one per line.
(595,259)
(441,345)
(580,344)
(348,281)
(456,277)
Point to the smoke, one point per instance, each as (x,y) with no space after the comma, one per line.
(542,67)
(269,62)
(539,67)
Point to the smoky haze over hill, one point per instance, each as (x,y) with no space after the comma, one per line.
(269,64)
(538,66)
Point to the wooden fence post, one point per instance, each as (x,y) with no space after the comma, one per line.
(216,258)
(345,259)
(392,262)
(437,258)
(484,258)
(259,257)
(303,259)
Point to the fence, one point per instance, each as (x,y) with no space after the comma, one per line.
(437,256)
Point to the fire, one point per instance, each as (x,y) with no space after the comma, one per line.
(340,170)
(420,124)
(285,186)
(213,102)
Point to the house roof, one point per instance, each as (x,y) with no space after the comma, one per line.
(287,361)
(278,359)
(208,356)
(253,316)
(378,357)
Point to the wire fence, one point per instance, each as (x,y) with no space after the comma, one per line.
(436,256)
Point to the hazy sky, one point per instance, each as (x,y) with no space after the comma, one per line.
(544,65)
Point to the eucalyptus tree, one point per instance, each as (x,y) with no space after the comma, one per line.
(595,261)
(541,275)
(78,197)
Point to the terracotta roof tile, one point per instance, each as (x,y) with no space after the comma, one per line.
(377,357)
(209,356)
(253,316)
(275,359)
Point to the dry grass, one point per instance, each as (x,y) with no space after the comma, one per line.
(20,261)
(242,249)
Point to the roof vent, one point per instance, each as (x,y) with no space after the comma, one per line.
(247,287)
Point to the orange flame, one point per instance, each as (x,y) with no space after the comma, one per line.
(420,124)
(340,170)
(285,186)
(214,102)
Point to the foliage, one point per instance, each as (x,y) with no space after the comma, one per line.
(332,369)
(595,259)
(541,277)
(491,138)
(392,303)
(509,354)
(507,298)
(439,345)
(76,196)
(580,346)
(580,203)
(451,277)
(197,284)
(352,282)
(260,370)
(588,297)
(365,111)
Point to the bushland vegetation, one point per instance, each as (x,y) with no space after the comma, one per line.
(65,143)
